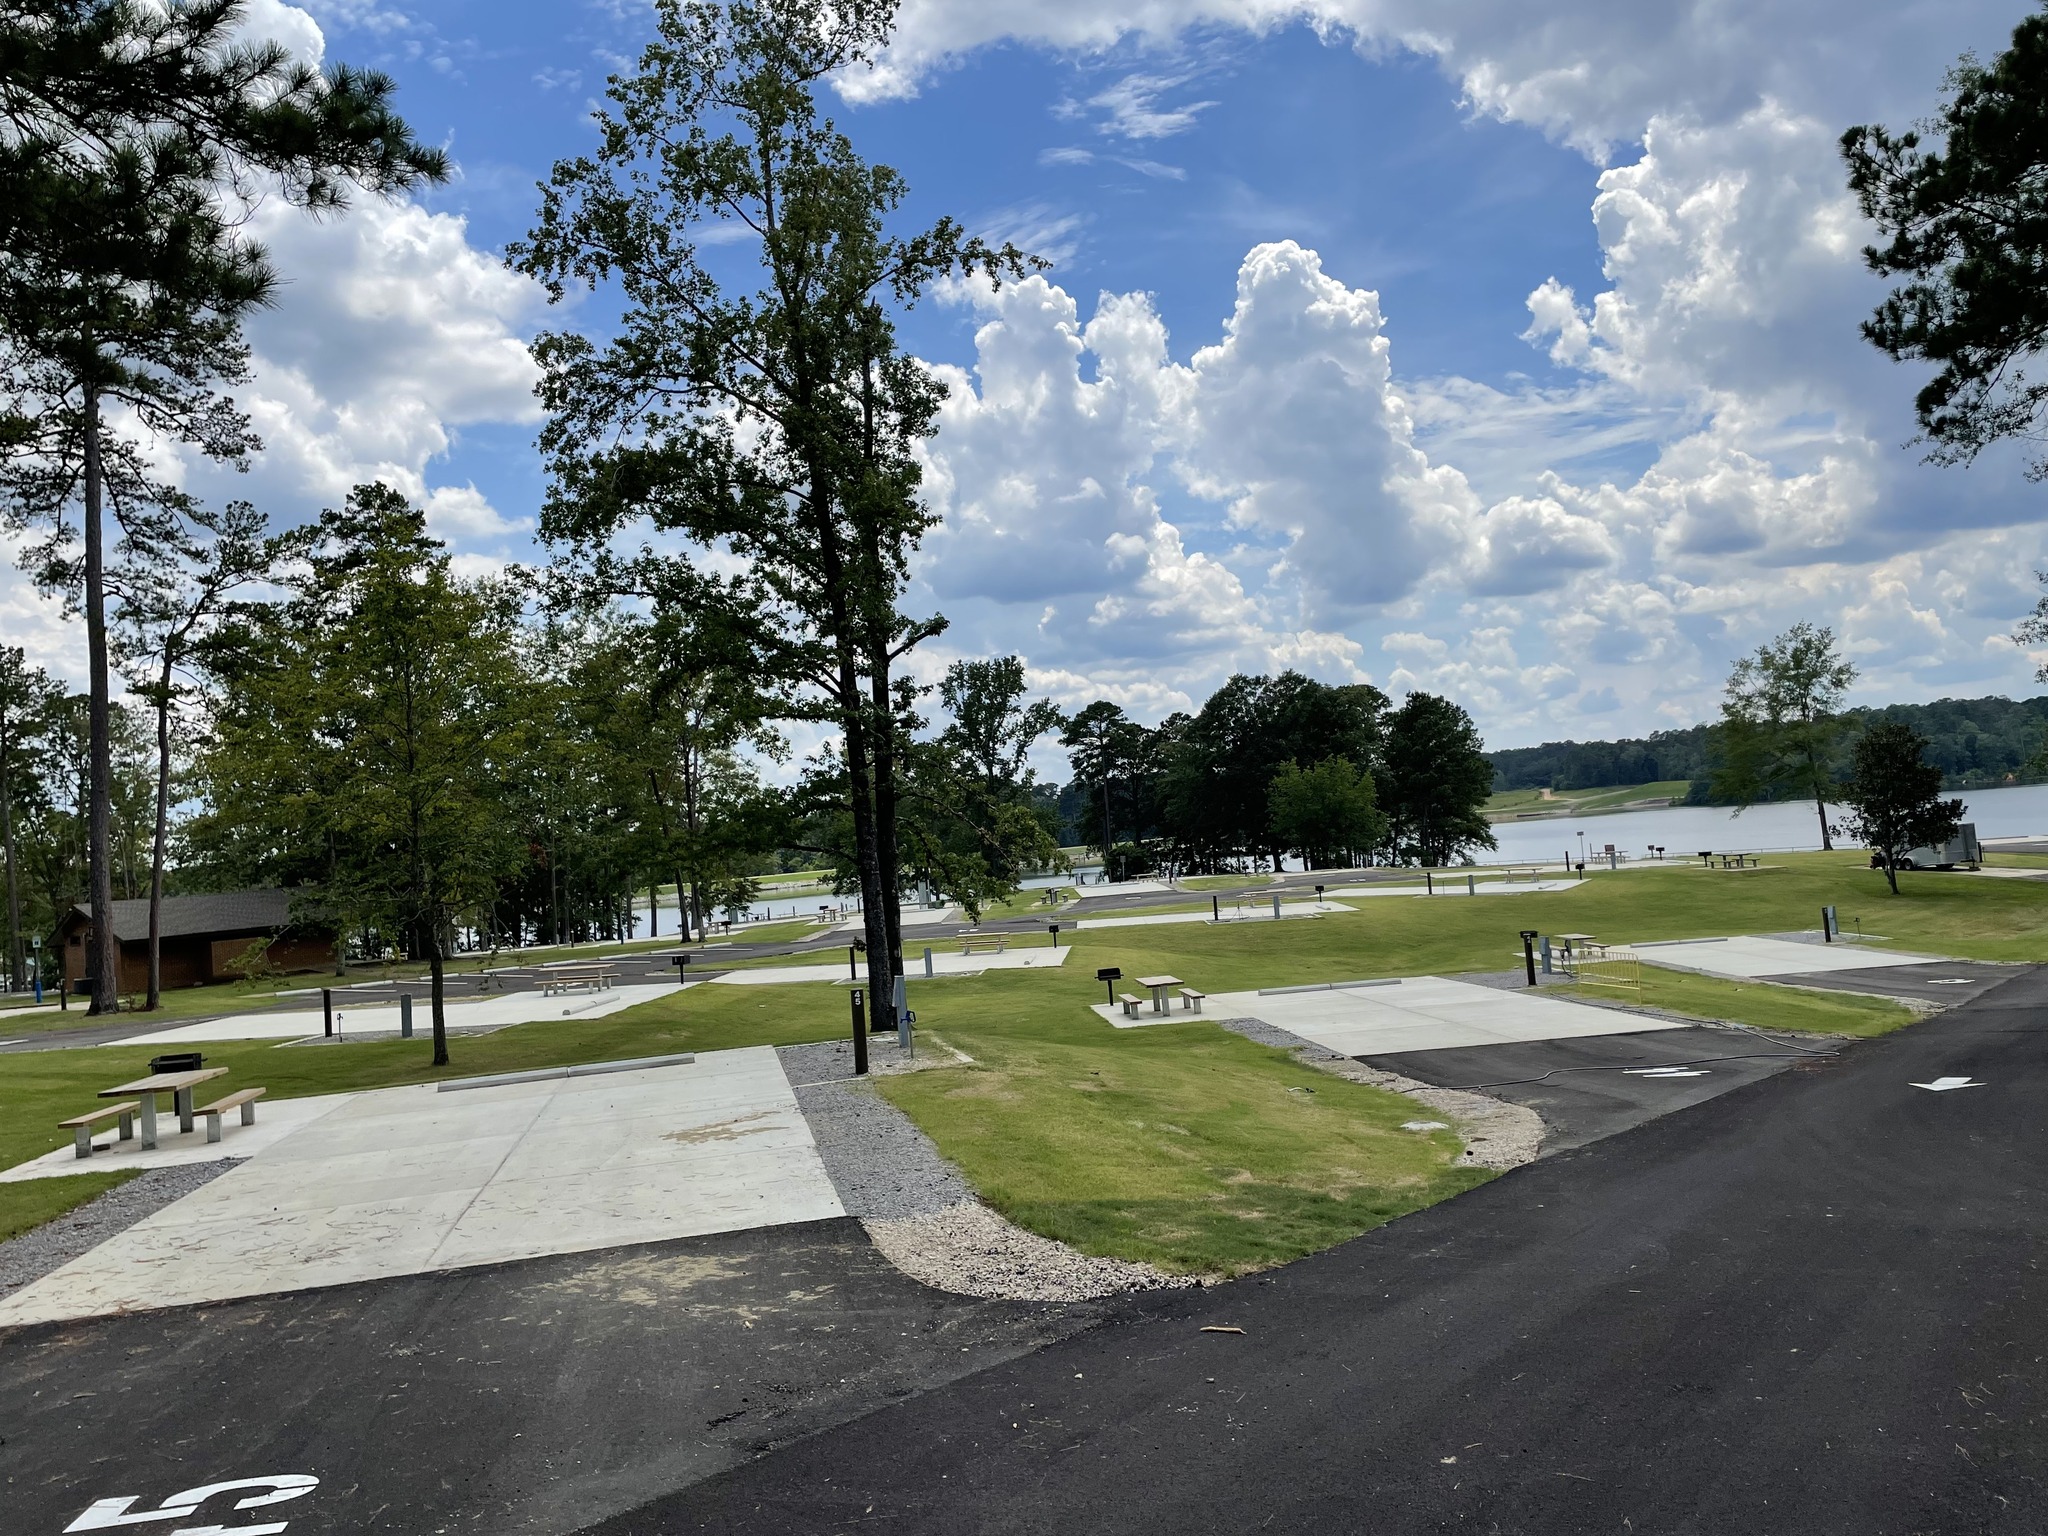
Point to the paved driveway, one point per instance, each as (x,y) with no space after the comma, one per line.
(407,1180)
(1814,1305)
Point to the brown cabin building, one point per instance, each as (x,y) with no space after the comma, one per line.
(201,939)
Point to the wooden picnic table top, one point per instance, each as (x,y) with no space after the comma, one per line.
(164,1082)
(1156,982)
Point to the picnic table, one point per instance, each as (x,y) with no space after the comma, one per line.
(1159,986)
(178,1085)
(559,978)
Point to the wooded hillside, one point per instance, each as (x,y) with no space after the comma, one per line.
(1976,743)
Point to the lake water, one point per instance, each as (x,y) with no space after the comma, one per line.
(1686,829)
(1682,829)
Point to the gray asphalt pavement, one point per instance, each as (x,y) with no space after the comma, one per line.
(1811,1305)
(1946,982)
(532,1397)
(1598,1085)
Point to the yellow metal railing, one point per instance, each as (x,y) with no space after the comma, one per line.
(1607,968)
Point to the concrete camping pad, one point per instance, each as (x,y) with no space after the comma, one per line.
(364,1012)
(1746,958)
(1415,1013)
(406,1180)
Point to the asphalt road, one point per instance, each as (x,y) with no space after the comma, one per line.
(1945,981)
(518,1398)
(1811,1305)
(1599,1085)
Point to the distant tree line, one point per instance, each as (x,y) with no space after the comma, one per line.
(1976,743)
(1273,767)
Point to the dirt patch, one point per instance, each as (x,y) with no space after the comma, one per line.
(723,1130)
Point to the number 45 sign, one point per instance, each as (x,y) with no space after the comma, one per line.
(105,1514)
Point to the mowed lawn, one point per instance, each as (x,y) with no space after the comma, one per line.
(1763,1005)
(1182,1144)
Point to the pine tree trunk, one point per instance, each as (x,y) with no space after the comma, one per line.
(17,964)
(156,850)
(104,960)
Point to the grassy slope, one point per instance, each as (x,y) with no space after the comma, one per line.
(1185,1145)
(1759,1003)
(30,1204)
(1231,1182)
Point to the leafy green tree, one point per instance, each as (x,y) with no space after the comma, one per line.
(676,712)
(138,136)
(173,583)
(26,699)
(1781,720)
(971,825)
(1217,769)
(778,425)
(376,728)
(1894,797)
(1328,813)
(1435,782)
(1965,223)
(993,729)
(1107,754)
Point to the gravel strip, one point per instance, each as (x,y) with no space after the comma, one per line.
(1497,1134)
(35,1253)
(919,1210)
(970,1250)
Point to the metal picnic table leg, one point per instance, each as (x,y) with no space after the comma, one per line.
(1159,1000)
(183,1100)
(149,1122)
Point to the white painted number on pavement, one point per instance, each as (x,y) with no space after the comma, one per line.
(1943,1084)
(108,1513)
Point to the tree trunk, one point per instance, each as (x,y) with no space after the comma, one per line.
(104,959)
(867,860)
(17,964)
(1821,805)
(887,859)
(853,712)
(1891,872)
(653,910)
(156,849)
(437,971)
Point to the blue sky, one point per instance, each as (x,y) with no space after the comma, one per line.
(1504,351)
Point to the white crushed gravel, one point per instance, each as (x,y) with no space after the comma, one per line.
(37,1252)
(1497,1134)
(970,1250)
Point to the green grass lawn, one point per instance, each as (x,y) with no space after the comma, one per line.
(2016,861)
(1759,1003)
(1184,1145)
(30,1204)
(1180,1143)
